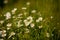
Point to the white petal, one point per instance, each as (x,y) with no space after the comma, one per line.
(28,3)
(47,34)
(33,11)
(40,26)
(24,8)
(3,35)
(51,17)
(40,18)
(15,9)
(4,31)
(8,15)
(9,24)
(8,28)
(37,20)
(32,25)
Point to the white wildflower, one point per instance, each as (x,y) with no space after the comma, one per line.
(8,28)
(28,3)
(26,22)
(20,15)
(14,10)
(24,8)
(1,21)
(9,24)
(32,25)
(29,18)
(33,11)
(0,32)
(51,17)
(4,31)
(47,34)
(19,23)
(39,19)
(11,34)
(8,15)
(40,27)
(3,35)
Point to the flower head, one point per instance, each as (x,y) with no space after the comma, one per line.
(24,8)
(40,27)
(9,24)
(8,28)
(3,35)
(4,31)
(33,11)
(39,19)
(51,17)
(1,21)
(14,10)
(32,25)
(11,34)
(28,3)
(8,15)
(28,20)
(47,34)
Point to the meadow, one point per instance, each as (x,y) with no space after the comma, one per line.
(30,20)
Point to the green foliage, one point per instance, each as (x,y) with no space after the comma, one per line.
(34,21)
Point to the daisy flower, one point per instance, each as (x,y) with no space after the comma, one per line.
(8,15)
(33,11)
(28,3)
(11,34)
(9,24)
(32,25)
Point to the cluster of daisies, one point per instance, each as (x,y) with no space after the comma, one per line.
(23,20)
